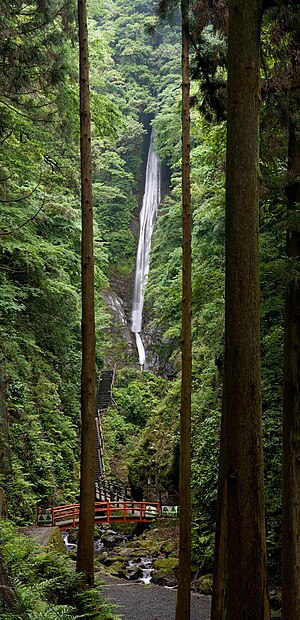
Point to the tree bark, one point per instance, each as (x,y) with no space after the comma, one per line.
(5,452)
(241,498)
(184,578)
(85,553)
(291,393)
(221,535)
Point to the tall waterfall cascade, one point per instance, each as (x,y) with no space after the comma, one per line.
(151,200)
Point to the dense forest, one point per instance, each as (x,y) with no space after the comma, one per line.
(135,77)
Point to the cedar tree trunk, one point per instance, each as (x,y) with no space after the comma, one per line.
(5,455)
(184,578)
(242,496)
(291,394)
(85,554)
(221,535)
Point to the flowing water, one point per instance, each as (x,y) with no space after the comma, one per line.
(98,545)
(140,569)
(148,213)
(69,546)
(144,567)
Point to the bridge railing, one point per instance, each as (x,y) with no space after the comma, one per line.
(131,510)
(66,517)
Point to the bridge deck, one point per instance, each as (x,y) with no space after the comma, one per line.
(67,517)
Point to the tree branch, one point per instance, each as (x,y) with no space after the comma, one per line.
(19,102)
(5,138)
(23,197)
(267,4)
(29,219)
(6,178)
(30,118)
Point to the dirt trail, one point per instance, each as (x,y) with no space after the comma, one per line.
(40,535)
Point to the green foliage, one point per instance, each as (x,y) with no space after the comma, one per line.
(135,78)
(164,292)
(154,455)
(45,583)
(137,395)
(139,67)
(40,249)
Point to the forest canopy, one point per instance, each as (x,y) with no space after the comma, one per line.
(135,57)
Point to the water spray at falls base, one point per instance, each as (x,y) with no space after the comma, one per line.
(148,214)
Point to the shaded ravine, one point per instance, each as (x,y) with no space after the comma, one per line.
(136,601)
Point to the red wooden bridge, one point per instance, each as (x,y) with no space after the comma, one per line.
(67,517)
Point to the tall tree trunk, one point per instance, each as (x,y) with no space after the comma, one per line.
(184,578)
(5,455)
(85,553)
(221,535)
(242,497)
(291,393)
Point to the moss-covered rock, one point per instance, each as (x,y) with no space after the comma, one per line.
(167,547)
(73,536)
(101,558)
(108,561)
(97,533)
(117,569)
(135,553)
(135,575)
(151,548)
(126,529)
(203,585)
(163,580)
(166,565)
(56,542)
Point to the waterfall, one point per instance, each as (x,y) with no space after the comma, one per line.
(148,213)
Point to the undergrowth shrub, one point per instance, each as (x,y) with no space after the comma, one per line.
(42,583)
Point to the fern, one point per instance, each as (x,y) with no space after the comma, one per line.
(44,584)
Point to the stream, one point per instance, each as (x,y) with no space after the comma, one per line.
(138,570)
(143,568)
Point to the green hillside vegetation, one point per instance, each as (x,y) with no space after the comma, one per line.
(44,584)
(135,79)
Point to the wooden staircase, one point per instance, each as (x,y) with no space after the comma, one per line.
(103,401)
(105,491)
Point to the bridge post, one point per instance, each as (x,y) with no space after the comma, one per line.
(108,511)
(125,511)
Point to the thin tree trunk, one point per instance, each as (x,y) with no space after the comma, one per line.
(5,453)
(85,553)
(220,537)
(243,571)
(291,395)
(184,578)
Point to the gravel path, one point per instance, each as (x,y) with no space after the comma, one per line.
(40,535)
(136,601)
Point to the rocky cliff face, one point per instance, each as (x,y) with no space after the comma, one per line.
(121,350)
(118,298)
